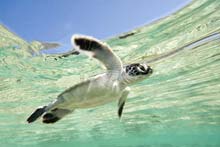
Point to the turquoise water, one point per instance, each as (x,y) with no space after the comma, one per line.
(178,106)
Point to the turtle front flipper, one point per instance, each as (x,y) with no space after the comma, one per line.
(98,50)
(122,100)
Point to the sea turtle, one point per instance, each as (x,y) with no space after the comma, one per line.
(98,90)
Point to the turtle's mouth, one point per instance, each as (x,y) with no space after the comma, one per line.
(144,69)
(138,69)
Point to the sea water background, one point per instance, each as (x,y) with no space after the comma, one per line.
(179,105)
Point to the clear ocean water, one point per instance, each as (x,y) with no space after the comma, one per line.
(178,106)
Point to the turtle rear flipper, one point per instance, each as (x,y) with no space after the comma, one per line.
(36,114)
(55,115)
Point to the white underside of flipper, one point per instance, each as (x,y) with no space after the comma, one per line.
(93,47)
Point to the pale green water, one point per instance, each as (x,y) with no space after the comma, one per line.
(179,105)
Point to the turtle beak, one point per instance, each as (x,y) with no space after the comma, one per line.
(145,69)
(149,70)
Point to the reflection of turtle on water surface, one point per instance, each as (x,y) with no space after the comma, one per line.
(98,90)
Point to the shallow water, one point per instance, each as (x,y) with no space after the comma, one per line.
(179,105)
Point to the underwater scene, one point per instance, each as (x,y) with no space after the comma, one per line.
(177,106)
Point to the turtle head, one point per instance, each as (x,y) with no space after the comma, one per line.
(137,72)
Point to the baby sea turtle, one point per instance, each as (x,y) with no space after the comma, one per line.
(98,90)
